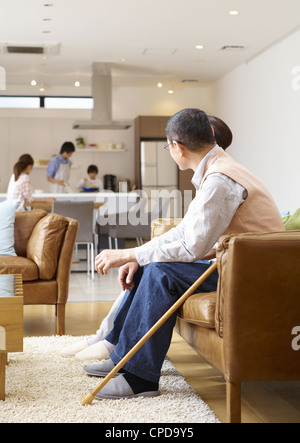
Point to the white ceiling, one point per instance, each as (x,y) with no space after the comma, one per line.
(156,37)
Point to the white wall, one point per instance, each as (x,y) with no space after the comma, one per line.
(260,100)
(42,132)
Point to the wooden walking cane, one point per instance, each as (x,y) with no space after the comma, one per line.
(88,399)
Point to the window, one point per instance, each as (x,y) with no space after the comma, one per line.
(19,102)
(69,103)
(27,102)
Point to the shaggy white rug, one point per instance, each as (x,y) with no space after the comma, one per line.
(43,387)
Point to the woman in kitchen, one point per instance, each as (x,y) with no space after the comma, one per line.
(19,187)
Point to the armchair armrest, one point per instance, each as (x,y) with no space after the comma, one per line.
(258,302)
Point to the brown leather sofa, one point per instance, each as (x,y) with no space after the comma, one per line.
(44,244)
(245,328)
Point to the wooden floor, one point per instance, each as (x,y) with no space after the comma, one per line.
(272,402)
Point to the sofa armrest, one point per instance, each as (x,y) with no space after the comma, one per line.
(260,306)
(161,225)
(65,260)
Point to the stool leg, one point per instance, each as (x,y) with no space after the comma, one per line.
(88,257)
(3,359)
(92,261)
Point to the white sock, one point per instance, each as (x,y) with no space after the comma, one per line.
(110,347)
(93,340)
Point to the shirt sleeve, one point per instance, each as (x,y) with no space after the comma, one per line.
(53,167)
(81,185)
(207,218)
(26,190)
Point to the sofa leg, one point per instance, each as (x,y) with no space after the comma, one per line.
(233,394)
(60,319)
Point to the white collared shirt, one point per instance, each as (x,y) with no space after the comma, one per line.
(208,217)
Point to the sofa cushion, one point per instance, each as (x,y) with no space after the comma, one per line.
(45,243)
(200,309)
(19,265)
(292,221)
(24,224)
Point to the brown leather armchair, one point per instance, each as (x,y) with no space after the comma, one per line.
(44,244)
(245,328)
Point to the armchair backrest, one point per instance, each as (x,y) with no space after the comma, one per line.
(48,240)
(24,225)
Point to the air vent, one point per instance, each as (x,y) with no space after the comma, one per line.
(15,48)
(232,48)
(24,50)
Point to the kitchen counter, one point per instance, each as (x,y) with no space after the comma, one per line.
(112,202)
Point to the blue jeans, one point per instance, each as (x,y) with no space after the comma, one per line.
(157,287)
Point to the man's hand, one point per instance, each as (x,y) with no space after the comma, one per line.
(126,274)
(113,259)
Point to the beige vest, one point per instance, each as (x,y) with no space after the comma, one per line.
(259,212)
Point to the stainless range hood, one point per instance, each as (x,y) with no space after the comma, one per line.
(102,95)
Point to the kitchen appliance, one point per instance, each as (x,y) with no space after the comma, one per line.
(110,182)
(160,177)
(158,169)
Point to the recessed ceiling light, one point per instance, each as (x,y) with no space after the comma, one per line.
(33,83)
(171,91)
(123,60)
(159,85)
(77,84)
(199,47)
(234,12)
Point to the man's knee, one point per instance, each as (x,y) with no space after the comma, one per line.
(157,268)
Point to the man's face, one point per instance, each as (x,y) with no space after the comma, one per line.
(66,155)
(176,154)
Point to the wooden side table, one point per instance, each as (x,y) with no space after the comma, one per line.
(11,321)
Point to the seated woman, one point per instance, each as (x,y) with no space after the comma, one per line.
(19,187)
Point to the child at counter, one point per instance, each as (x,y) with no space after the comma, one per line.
(91,181)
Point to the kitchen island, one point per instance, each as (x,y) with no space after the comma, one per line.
(106,203)
(109,202)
